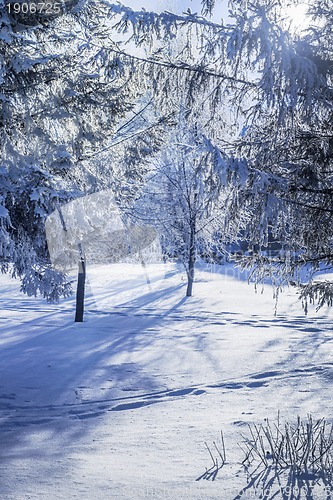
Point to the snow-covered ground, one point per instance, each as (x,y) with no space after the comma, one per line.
(121,405)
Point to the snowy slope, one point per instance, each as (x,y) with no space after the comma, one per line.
(120,406)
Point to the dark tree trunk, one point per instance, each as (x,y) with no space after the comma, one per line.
(81,281)
(191,262)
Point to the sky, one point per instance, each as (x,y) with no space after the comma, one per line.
(160,5)
(295,13)
(176,6)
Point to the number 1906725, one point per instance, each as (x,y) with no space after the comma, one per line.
(45,8)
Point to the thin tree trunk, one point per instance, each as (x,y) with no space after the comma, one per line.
(81,281)
(191,262)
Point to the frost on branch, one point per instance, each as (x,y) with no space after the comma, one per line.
(50,284)
(316,292)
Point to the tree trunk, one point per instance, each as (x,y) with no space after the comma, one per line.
(191,262)
(81,281)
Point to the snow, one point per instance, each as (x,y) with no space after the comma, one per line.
(120,406)
(3,211)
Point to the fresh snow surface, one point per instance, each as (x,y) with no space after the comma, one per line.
(121,405)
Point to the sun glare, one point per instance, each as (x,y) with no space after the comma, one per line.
(296,17)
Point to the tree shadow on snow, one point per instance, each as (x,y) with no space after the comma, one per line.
(54,371)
